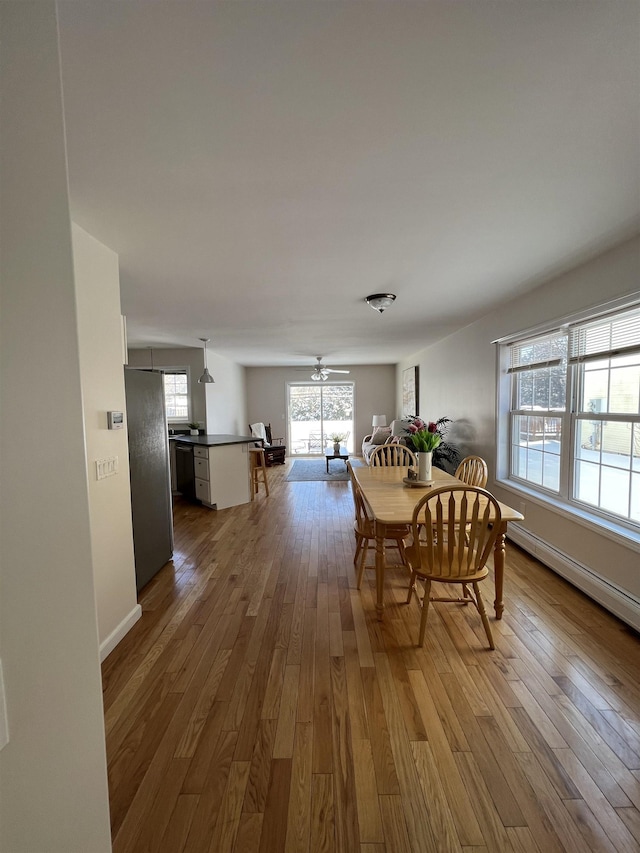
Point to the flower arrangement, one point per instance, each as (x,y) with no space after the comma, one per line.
(337,437)
(445,455)
(424,437)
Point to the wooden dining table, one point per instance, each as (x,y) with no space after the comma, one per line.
(391,502)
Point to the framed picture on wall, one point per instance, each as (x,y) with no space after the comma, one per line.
(410,392)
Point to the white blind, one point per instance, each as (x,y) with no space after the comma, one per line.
(607,336)
(534,353)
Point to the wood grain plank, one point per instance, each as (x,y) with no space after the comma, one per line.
(274,824)
(385,769)
(224,834)
(299,816)
(248,835)
(323,820)
(283,747)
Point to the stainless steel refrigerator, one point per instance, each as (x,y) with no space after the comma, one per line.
(151,507)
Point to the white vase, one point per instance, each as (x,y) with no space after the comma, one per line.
(194,432)
(424,465)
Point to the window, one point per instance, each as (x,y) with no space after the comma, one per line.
(176,394)
(574,414)
(538,409)
(605,358)
(318,411)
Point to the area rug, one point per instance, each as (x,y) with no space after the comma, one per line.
(306,470)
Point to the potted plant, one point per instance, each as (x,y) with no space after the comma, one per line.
(336,438)
(194,428)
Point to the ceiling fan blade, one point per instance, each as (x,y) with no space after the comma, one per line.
(331,370)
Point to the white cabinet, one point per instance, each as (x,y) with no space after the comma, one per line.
(222,475)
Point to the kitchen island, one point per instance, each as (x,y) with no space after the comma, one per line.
(220,468)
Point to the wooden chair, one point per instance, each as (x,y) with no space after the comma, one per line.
(392,454)
(258,468)
(454,531)
(473,471)
(363,528)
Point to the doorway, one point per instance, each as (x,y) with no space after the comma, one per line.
(316,413)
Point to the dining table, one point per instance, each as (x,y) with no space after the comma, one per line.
(391,501)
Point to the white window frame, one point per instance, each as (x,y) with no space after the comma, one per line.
(172,370)
(563,501)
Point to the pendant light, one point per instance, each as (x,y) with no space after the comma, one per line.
(206,376)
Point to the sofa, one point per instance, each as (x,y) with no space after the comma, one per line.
(383,435)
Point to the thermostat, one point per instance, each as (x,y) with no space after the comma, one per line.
(115,420)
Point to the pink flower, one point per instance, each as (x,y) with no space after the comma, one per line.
(413,428)
(419,423)
(433,427)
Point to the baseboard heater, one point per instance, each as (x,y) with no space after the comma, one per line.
(612,597)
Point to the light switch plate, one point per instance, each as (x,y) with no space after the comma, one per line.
(106,467)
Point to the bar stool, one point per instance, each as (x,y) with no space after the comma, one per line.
(258,470)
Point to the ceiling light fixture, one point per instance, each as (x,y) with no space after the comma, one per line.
(206,376)
(380,301)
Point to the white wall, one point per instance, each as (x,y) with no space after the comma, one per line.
(458,379)
(375,394)
(53,782)
(102,376)
(226,398)
(219,407)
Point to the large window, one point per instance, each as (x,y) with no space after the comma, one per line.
(316,413)
(574,414)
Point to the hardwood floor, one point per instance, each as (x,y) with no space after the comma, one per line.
(259,706)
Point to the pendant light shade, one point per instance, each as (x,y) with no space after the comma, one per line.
(206,376)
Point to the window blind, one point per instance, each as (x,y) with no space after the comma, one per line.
(534,353)
(605,337)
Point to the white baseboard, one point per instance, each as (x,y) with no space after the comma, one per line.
(108,645)
(618,601)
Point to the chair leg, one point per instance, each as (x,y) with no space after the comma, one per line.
(359,541)
(412,586)
(401,549)
(425,612)
(483,615)
(363,559)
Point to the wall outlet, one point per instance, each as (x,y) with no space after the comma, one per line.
(106,467)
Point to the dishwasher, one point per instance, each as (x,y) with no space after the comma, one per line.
(185,474)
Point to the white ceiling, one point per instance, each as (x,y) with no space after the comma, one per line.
(260,167)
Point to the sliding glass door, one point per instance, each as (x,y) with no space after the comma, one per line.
(316,412)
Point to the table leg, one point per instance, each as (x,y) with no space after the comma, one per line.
(327,464)
(379,570)
(498,569)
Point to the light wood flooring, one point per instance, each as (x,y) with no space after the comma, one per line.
(259,706)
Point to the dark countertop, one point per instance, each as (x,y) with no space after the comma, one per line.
(212,440)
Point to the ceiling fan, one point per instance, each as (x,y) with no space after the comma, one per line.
(321,373)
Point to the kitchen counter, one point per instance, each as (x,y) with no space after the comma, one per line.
(212,440)
(213,469)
